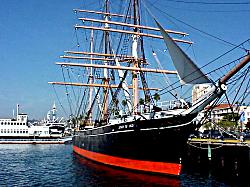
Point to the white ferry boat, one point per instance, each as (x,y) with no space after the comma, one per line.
(19,130)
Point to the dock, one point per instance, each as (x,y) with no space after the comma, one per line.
(218,142)
(65,140)
(217,157)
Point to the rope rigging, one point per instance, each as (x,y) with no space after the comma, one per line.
(78,104)
(199,30)
(92,105)
(246,92)
(241,85)
(114,98)
(208,112)
(175,94)
(72,88)
(67,92)
(148,96)
(206,73)
(57,97)
(210,3)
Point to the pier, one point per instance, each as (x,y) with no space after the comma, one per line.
(64,140)
(218,142)
(227,159)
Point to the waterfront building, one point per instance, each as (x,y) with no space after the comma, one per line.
(244,112)
(219,111)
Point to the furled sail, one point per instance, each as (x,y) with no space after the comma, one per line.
(188,72)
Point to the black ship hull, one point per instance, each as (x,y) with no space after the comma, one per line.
(154,145)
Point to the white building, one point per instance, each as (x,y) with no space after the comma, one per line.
(244,112)
(219,111)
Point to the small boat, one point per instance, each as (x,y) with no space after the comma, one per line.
(56,125)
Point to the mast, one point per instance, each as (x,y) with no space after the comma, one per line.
(109,61)
(135,55)
(124,86)
(91,74)
(54,112)
(105,71)
(17,111)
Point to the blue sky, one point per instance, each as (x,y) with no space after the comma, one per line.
(32,36)
(33,33)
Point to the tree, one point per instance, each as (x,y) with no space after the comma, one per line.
(124,103)
(227,124)
(229,120)
(157,97)
(74,121)
(147,98)
(141,101)
(208,125)
(231,117)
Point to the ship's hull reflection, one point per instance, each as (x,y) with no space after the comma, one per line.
(109,176)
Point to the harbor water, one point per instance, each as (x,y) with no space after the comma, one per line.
(57,165)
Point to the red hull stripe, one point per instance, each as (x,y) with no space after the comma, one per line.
(155,167)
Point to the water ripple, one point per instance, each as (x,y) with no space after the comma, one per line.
(56,165)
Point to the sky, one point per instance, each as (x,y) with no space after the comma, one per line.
(33,33)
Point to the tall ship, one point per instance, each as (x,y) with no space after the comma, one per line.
(121,119)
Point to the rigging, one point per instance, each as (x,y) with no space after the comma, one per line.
(187,24)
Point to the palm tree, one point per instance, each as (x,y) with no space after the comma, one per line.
(124,103)
(157,97)
(147,99)
(141,101)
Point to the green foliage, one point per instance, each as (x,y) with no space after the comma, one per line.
(207,125)
(141,101)
(147,98)
(222,123)
(74,121)
(157,97)
(231,117)
(227,124)
(124,103)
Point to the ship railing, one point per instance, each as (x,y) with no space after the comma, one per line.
(170,105)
